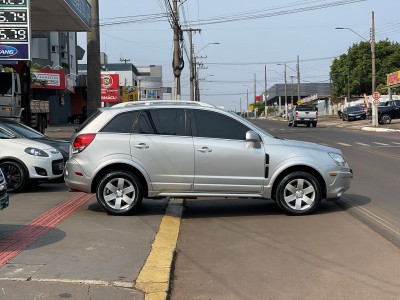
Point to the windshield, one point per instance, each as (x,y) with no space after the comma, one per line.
(24,131)
(5,83)
(5,133)
(305,108)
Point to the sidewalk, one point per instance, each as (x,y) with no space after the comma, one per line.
(365,125)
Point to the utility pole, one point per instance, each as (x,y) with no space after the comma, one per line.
(265,91)
(93,62)
(247,102)
(291,86)
(177,60)
(190,30)
(374,108)
(255,95)
(285,92)
(298,78)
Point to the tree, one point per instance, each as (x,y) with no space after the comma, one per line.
(353,71)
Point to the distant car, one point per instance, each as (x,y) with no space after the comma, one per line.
(22,131)
(25,161)
(3,192)
(353,113)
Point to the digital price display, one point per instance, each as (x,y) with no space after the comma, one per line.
(14,34)
(13,3)
(15,16)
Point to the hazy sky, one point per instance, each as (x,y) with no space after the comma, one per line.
(258,33)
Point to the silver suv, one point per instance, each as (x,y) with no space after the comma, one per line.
(184,149)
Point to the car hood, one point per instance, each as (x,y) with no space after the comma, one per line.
(31,143)
(308,145)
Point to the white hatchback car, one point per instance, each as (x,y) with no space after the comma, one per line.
(25,161)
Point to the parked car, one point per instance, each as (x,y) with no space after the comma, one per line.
(388,111)
(303,114)
(22,131)
(353,113)
(25,161)
(188,149)
(4,199)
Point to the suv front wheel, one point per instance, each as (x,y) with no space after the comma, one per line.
(119,193)
(298,193)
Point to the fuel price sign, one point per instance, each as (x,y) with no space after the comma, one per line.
(15,30)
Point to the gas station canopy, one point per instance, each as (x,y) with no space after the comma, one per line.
(60,15)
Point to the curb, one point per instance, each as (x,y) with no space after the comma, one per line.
(154,278)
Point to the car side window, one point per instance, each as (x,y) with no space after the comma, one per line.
(122,123)
(144,124)
(216,125)
(168,121)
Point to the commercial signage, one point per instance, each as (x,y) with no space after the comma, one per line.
(15,30)
(130,93)
(110,88)
(48,79)
(393,78)
(82,8)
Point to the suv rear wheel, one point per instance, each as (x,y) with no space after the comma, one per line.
(298,193)
(119,193)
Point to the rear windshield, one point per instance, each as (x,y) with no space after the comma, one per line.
(305,108)
(89,119)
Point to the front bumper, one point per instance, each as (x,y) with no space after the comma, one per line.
(340,184)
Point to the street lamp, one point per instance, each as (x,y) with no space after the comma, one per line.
(347,28)
(247,97)
(372,42)
(216,43)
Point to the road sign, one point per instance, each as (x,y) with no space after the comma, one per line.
(376,95)
(251,107)
(376,102)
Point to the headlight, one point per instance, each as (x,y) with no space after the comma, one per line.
(339,159)
(36,152)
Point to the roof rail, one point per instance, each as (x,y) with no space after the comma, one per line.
(161,102)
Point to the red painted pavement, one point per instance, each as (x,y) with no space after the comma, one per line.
(25,236)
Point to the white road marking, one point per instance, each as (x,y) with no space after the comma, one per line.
(382,144)
(344,144)
(362,144)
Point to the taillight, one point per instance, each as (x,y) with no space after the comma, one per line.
(82,141)
(297,114)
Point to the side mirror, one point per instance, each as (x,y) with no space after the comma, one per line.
(252,136)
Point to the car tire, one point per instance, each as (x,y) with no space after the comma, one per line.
(308,124)
(298,194)
(294,124)
(76,121)
(16,176)
(385,119)
(314,124)
(290,124)
(119,193)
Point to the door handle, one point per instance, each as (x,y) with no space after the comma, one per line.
(204,149)
(141,146)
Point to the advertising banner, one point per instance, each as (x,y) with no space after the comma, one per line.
(48,79)
(110,88)
(393,78)
(130,93)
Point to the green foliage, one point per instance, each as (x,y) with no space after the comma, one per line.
(354,69)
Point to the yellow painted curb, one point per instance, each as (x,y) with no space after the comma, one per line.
(154,277)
